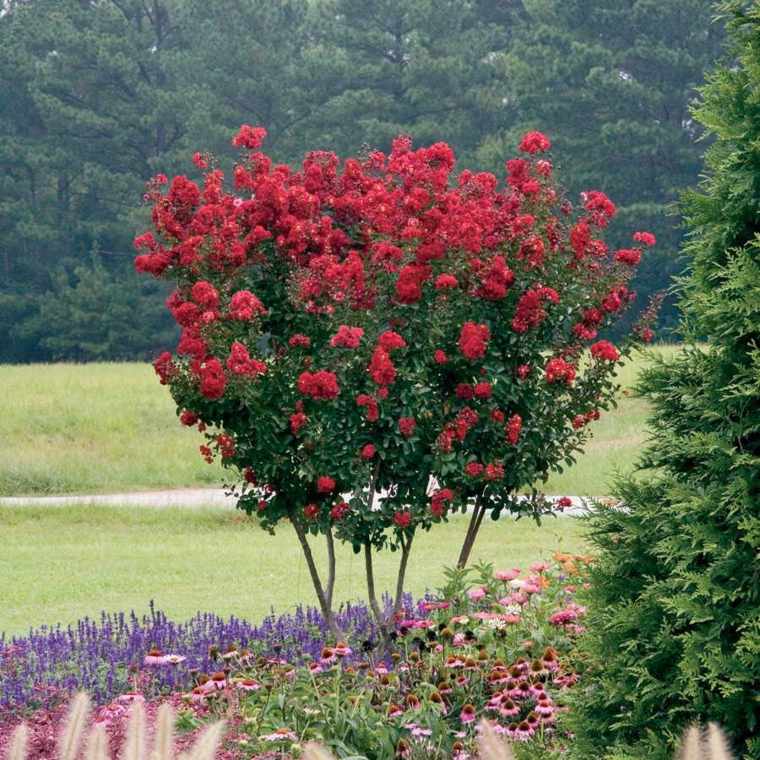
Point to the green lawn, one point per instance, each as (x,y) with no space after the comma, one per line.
(62,563)
(112,427)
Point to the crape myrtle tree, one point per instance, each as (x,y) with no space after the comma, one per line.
(376,344)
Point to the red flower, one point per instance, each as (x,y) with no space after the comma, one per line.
(249,476)
(322,385)
(244,306)
(440,357)
(473,340)
(402,519)
(297,421)
(409,283)
(497,415)
(564,502)
(325,484)
(205,294)
(579,421)
(523,371)
(558,370)
(628,256)
(445,281)
(240,362)
(164,367)
(311,511)
(249,137)
(302,341)
(464,391)
(535,142)
(371,405)
(483,390)
(339,511)
(647,238)
(347,337)
(514,427)
(226,446)
(438,501)
(390,341)
(381,368)
(188,418)
(605,350)
(212,379)
(601,207)
(368,451)
(406,426)
(494,471)
(474,469)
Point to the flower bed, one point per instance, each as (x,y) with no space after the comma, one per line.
(491,645)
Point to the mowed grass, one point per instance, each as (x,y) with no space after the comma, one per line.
(93,428)
(59,564)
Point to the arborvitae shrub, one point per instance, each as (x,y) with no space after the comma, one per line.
(674,618)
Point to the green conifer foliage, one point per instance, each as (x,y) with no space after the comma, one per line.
(674,609)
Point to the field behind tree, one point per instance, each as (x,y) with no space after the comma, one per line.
(110,427)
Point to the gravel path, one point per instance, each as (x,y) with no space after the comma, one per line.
(181,497)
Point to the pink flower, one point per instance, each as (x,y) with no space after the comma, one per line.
(539,567)
(468,714)
(507,575)
(476,594)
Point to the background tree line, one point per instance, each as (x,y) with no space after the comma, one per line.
(98,95)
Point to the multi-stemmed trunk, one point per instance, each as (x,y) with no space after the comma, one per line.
(324,591)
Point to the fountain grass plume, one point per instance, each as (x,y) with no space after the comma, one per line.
(71,737)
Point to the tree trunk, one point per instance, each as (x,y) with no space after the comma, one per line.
(324,598)
(478,512)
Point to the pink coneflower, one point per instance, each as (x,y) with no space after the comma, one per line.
(462,681)
(507,575)
(417,731)
(523,731)
(468,714)
(476,594)
(198,695)
(280,735)
(341,649)
(539,567)
(217,682)
(248,684)
(544,707)
(458,640)
(154,657)
(394,710)
(508,708)
(315,667)
(328,656)
(454,662)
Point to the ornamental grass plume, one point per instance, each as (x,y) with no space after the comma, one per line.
(135,742)
(490,746)
(709,745)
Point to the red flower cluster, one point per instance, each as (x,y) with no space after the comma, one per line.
(325,484)
(381,368)
(347,337)
(535,142)
(514,428)
(406,426)
(370,404)
(240,362)
(604,350)
(245,306)
(558,370)
(213,381)
(322,385)
(473,340)
(339,511)
(530,311)
(438,501)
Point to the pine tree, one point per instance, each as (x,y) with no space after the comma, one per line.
(611,82)
(674,613)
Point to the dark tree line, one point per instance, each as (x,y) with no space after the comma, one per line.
(98,95)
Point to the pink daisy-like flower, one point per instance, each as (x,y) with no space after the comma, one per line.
(507,575)
(248,684)
(539,567)
(544,707)
(468,714)
(280,735)
(476,594)
(341,649)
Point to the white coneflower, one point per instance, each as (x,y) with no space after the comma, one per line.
(71,738)
(97,744)
(19,741)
